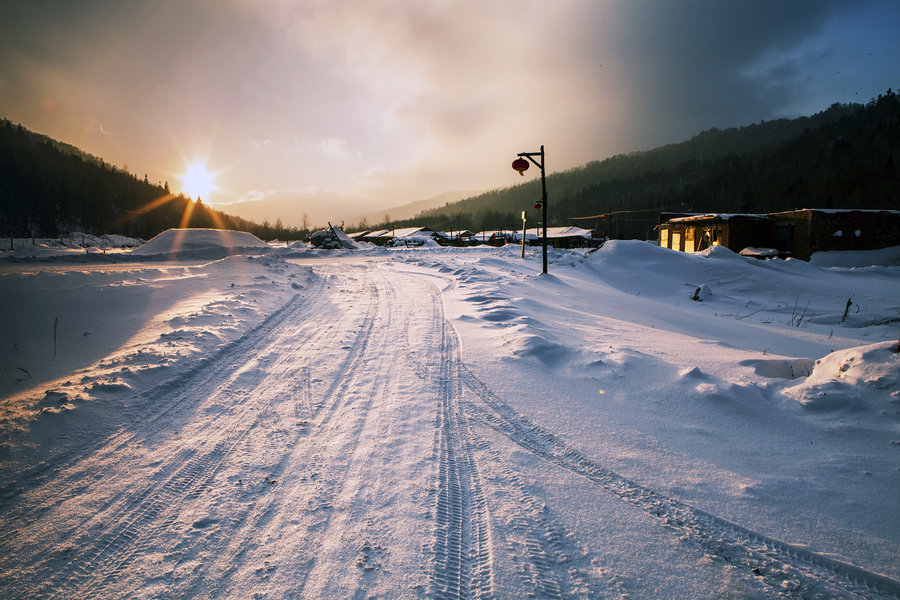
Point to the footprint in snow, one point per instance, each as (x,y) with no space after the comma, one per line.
(204,523)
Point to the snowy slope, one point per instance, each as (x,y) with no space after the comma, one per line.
(449,423)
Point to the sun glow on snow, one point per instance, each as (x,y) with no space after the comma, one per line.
(197,182)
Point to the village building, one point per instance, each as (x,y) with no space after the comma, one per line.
(693,233)
(416,236)
(379,237)
(459,238)
(794,233)
(800,233)
(494,237)
(557,237)
(406,236)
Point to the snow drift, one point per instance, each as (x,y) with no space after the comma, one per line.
(204,244)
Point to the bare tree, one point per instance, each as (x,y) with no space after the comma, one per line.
(304,223)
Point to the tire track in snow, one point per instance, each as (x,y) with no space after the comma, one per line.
(147,513)
(321,464)
(355,473)
(236,553)
(792,571)
(548,562)
(89,466)
(160,400)
(464,543)
(549,566)
(330,474)
(101,564)
(461,545)
(109,559)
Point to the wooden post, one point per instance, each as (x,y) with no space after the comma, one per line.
(524,217)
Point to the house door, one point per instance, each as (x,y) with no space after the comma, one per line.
(784,238)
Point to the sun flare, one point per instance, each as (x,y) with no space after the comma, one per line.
(197,181)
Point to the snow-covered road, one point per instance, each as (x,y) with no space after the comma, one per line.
(342,446)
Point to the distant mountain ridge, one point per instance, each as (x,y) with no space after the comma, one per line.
(49,187)
(411,210)
(843,157)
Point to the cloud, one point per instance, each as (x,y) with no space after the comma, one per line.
(337,148)
(393,101)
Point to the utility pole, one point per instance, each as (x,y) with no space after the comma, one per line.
(521,166)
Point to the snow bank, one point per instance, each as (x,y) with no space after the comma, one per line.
(727,402)
(203,244)
(136,320)
(860,378)
(71,244)
(887,257)
(767,404)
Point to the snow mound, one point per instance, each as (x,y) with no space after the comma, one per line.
(538,347)
(76,239)
(855,378)
(207,244)
(886,257)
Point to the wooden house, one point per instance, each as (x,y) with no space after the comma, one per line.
(796,233)
(734,231)
(800,233)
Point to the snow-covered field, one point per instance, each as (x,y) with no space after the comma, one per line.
(205,417)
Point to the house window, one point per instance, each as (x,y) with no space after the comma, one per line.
(689,239)
(676,240)
(664,238)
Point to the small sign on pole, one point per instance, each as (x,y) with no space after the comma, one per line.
(524,218)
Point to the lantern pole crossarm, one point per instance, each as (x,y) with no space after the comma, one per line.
(530,156)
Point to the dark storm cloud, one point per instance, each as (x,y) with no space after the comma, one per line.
(685,64)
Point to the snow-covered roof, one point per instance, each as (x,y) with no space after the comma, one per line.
(376,234)
(728,216)
(718,216)
(409,231)
(839,210)
(556,232)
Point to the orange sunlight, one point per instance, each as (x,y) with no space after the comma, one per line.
(197,182)
(131,214)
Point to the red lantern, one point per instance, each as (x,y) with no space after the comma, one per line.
(538,206)
(521,165)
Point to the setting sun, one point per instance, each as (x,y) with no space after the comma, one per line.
(197,182)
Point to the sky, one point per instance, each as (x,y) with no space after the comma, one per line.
(340,108)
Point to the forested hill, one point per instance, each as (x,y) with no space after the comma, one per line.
(48,187)
(844,157)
